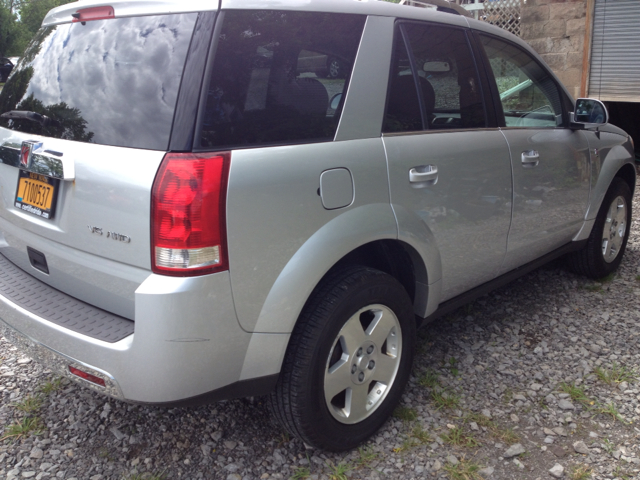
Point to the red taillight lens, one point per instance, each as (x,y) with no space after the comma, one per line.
(87,376)
(188,203)
(93,13)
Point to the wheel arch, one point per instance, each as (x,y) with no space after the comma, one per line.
(366,236)
(615,162)
(398,259)
(389,255)
(628,173)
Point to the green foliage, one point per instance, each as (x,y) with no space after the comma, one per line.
(301,473)
(20,20)
(145,476)
(610,409)
(429,379)
(608,446)
(444,399)
(616,374)
(51,386)
(457,436)
(418,436)
(33,12)
(9,32)
(23,428)
(421,435)
(506,435)
(29,405)
(464,470)
(580,472)
(453,366)
(406,414)
(366,455)
(576,393)
(339,472)
(618,472)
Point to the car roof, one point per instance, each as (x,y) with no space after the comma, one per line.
(129,8)
(449,7)
(126,8)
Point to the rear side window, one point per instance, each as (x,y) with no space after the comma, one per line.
(112,82)
(279,77)
(434,82)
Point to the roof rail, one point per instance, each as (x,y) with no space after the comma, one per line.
(440,5)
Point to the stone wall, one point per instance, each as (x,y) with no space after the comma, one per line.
(556,30)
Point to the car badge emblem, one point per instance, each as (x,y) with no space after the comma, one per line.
(26,153)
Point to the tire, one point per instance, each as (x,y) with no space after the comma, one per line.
(608,239)
(348,360)
(335,68)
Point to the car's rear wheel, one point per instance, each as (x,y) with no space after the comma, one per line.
(348,360)
(608,239)
(335,68)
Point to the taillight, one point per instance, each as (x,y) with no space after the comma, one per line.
(188,224)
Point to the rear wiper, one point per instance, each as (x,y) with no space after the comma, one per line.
(31,116)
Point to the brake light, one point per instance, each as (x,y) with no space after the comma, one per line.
(93,13)
(188,204)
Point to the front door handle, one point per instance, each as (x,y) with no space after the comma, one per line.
(530,159)
(424,175)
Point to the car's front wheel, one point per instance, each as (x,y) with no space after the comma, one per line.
(608,239)
(348,360)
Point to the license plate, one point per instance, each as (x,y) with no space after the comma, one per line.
(36,194)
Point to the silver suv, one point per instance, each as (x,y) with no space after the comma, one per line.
(193,207)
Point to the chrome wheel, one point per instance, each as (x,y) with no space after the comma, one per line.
(362,364)
(334,68)
(615,227)
(348,359)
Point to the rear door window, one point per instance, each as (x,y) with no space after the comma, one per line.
(278,78)
(434,82)
(112,82)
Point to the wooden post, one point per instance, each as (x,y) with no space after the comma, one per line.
(586,54)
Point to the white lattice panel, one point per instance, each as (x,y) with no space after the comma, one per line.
(502,13)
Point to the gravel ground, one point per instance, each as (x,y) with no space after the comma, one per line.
(536,380)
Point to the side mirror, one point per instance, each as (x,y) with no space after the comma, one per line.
(335,101)
(590,113)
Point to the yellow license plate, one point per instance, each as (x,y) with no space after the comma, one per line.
(36,194)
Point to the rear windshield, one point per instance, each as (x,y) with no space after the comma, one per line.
(111,82)
(279,77)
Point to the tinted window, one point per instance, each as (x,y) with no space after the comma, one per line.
(434,82)
(528,94)
(274,76)
(112,82)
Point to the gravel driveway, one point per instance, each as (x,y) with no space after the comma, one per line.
(534,381)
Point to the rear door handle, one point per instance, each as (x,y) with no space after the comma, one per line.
(530,159)
(424,174)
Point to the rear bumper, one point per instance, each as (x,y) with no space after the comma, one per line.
(59,362)
(187,343)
